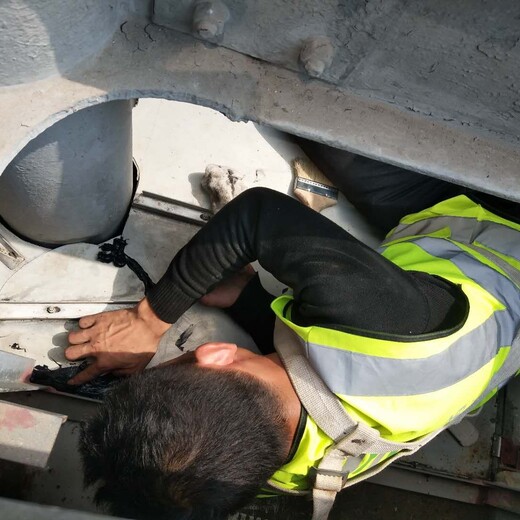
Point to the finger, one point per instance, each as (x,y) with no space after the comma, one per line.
(88,321)
(86,375)
(79,351)
(76,337)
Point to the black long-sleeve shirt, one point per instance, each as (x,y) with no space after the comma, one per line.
(337,281)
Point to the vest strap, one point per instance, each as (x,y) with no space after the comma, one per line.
(321,404)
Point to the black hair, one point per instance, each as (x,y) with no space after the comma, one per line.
(184,442)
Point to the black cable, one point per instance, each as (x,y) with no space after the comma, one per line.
(114,253)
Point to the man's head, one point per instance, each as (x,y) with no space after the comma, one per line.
(194,439)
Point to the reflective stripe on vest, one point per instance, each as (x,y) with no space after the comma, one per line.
(498,237)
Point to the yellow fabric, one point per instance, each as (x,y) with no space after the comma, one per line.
(403,418)
(460,206)
(294,474)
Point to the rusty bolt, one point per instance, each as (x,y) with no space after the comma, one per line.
(209,19)
(316,55)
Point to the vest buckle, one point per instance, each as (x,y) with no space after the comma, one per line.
(330,480)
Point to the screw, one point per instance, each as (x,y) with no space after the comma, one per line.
(53,309)
(209,19)
(316,55)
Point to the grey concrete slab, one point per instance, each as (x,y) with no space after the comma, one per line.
(144,60)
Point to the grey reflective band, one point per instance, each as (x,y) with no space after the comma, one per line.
(506,372)
(500,286)
(355,374)
(499,237)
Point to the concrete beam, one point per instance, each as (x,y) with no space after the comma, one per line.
(144,60)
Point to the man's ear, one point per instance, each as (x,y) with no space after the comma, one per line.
(216,354)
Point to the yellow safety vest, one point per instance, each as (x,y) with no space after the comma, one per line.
(408,387)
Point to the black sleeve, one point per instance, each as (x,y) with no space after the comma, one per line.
(252,311)
(336,280)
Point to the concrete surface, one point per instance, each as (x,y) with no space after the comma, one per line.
(430,85)
(456,62)
(143,60)
(50,37)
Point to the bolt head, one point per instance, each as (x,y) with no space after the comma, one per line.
(206,30)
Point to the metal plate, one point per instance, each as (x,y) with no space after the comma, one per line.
(175,209)
(14,372)
(27,435)
(9,255)
(58,310)
(431,57)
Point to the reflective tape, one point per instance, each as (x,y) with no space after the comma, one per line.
(499,237)
(355,374)
(501,287)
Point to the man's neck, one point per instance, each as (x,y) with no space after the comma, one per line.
(287,394)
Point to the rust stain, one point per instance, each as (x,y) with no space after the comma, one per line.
(16,418)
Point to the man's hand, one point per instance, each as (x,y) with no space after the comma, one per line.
(121,341)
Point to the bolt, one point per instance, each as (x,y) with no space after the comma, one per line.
(209,19)
(316,55)
(53,309)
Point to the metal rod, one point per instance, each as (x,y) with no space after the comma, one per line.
(57,311)
(172,208)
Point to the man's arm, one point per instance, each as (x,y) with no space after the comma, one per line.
(336,280)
